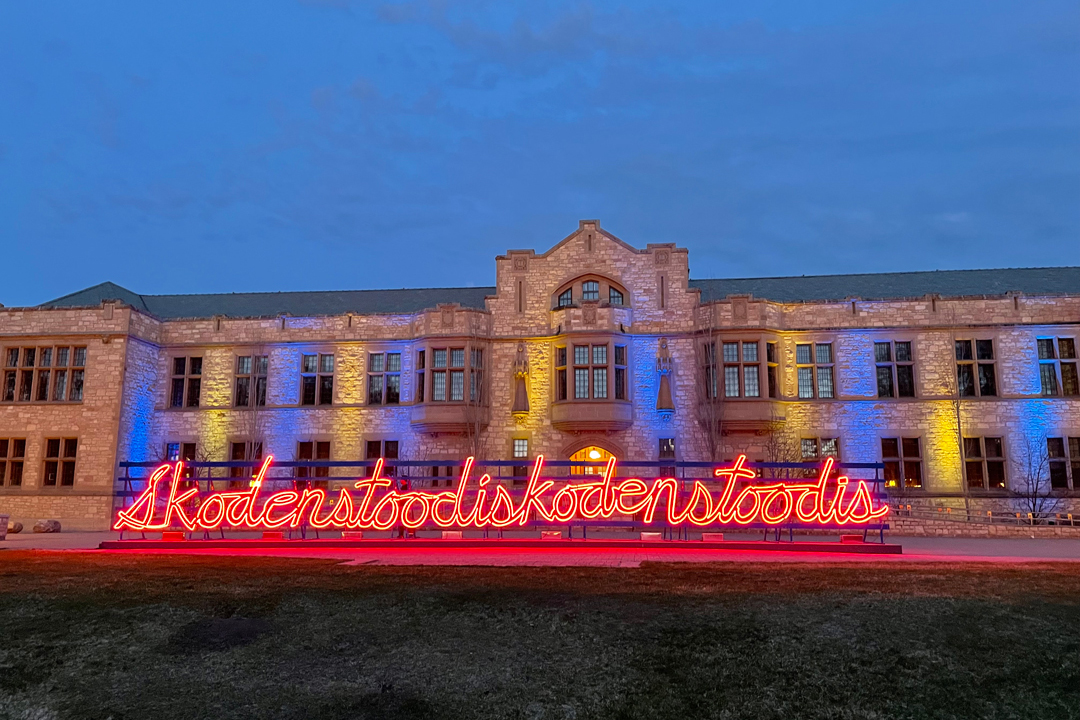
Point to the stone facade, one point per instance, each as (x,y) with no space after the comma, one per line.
(125,413)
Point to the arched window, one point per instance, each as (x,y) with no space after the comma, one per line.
(589,288)
(591,454)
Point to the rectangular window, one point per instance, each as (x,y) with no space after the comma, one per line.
(249,452)
(421,358)
(975,372)
(185,451)
(750,381)
(60,461)
(450,388)
(1057,366)
(773,368)
(520,452)
(560,373)
(313,450)
(903,462)
(581,383)
(186,382)
(386,449)
(984,463)
(1064,456)
(731,381)
(251,380)
(46,374)
(317,379)
(590,364)
(590,290)
(741,371)
(620,372)
(457,385)
(12,457)
(476,375)
(384,378)
(709,370)
(667,452)
(895,369)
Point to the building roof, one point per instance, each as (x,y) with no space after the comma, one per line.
(272,304)
(805,288)
(892,286)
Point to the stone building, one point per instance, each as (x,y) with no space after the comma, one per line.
(964,383)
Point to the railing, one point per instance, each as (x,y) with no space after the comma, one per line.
(990,517)
(512,474)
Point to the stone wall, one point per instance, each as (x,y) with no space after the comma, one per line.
(125,413)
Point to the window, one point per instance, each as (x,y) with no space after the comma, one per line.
(421,361)
(317,379)
(591,372)
(620,372)
(740,367)
(185,451)
(448,374)
(814,367)
(60,461)
(667,452)
(313,450)
(895,369)
(186,382)
(44,374)
(244,452)
(972,363)
(1058,368)
(520,452)
(386,449)
(560,373)
(615,297)
(12,455)
(251,380)
(1064,456)
(903,462)
(813,449)
(566,298)
(773,368)
(597,457)
(476,375)
(590,290)
(984,463)
(384,378)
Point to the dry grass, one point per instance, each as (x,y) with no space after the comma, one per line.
(144,636)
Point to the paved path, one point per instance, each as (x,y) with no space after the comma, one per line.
(916,549)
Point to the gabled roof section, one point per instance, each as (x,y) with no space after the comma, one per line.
(599,231)
(892,286)
(272,304)
(97,294)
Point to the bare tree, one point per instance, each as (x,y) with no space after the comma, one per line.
(250,401)
(1031,490)
(476,395)
(780,447)
(710,405)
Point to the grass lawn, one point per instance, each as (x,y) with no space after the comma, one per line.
(172,637)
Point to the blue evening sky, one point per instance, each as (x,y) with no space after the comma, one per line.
(228,146)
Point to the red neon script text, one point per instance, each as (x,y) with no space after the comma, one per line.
(482,503)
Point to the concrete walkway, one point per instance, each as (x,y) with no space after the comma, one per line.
(916,549)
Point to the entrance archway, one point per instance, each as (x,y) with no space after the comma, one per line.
(592,454)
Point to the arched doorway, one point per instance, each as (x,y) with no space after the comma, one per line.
(592,454)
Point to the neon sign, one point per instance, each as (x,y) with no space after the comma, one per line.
(380,506)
